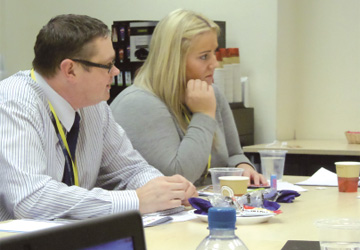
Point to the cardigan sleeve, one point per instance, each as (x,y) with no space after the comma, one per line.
(154,133)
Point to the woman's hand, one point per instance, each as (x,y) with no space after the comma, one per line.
(255,178)
(200,97)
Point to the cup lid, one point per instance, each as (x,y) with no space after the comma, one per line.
(347,163)
(272,152)
(214,170)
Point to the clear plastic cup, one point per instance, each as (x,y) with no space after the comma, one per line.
(217,172)
(339,233)
(272,163)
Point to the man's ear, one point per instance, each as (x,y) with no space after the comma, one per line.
(69,69)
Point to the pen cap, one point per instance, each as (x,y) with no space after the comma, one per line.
(222,218)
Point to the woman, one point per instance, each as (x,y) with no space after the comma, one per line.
(173,114)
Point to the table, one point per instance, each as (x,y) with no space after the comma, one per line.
(305,157)
(295,223)
(312,147)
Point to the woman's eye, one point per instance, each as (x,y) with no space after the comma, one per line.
(204,57)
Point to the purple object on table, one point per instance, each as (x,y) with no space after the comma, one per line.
(271,205)
(287,196)
(284,196)
(202,206)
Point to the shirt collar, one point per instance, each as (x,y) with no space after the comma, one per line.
(63,109)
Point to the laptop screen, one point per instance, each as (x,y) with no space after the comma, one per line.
(124,244)
(117,231)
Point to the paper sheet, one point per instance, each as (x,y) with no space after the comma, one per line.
(150,221)
(25,225)
(322,177)
(183,216)
(283,185)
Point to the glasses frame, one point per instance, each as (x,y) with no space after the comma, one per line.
(97,65)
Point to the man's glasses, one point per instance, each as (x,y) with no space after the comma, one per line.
(98,65)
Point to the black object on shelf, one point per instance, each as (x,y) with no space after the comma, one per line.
(131,42)
(244,121)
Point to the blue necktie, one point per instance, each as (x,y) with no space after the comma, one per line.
(71,138)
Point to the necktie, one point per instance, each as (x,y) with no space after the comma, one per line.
(71,138)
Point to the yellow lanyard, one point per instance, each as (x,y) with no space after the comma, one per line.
(63,137)
(209,160)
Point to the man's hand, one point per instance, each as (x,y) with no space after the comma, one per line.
(165,192)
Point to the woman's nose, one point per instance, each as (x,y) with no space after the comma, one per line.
(214,63)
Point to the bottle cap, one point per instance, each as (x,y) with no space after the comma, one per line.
(222,217)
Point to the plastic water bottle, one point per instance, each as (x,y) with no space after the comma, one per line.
(222,230)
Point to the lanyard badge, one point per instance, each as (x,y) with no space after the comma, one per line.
(70,163)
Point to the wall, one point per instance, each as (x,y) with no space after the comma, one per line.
(286,70)
(2,21)
(318,62)
(2,40)
(251,26)
(328,58)
(302,57)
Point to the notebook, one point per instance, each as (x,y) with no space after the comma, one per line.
(301,245)
(118,231)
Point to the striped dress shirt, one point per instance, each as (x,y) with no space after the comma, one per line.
(32,160)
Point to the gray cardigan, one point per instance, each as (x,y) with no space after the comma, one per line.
(154,132)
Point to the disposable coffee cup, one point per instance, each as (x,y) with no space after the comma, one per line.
(233,185)
(217,172)
(272,163)
(339,233)
(348,175)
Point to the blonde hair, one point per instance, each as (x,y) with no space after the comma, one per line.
(164,71)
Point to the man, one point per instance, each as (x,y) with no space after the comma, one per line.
(41,176)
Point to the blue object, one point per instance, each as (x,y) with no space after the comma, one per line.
(222,230)
(222,217)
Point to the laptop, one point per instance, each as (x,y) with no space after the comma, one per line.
(118,231)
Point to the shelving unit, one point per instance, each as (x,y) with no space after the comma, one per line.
(131,40)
